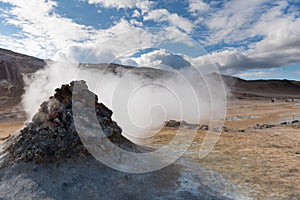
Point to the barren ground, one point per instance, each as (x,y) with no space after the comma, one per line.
(11,117)
(9,128)
(266,161)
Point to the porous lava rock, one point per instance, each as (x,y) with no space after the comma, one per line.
(52,136)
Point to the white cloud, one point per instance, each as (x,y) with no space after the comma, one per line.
(157,15)
(175,35)
(281,31)
(115,3)
(45,33)
(136,23)
(43,29)
(163,15)
(198,6)
(273,28)
(232,22)
(123,40)
(162,59)
(136,14)
(255,74)
(259,56)
(108,45)
(237,21)
(144,5)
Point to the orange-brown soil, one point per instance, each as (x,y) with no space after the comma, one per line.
(9,128)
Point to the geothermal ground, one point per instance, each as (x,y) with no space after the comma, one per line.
(256,157)
(47,158)
(263,161)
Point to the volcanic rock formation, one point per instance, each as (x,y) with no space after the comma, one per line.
(52,136)
(47,159)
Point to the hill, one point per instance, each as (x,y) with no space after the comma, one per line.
(262,88)
(14,67)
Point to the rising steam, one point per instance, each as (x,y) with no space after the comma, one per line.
(141,99)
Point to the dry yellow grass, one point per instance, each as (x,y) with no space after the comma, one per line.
(266,161)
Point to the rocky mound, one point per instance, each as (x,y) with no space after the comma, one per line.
(52,136)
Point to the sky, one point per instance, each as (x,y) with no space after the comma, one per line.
(257,39)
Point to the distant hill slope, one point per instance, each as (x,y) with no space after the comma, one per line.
(14,65)
(263,88)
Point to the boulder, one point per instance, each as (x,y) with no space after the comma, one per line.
(172,124)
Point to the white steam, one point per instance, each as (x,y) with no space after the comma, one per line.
(141,99)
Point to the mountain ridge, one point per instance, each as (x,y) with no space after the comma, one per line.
(13,66)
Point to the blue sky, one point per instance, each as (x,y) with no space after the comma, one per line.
(250,39)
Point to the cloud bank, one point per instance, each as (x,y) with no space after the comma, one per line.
(239,35)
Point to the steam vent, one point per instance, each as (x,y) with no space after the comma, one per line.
(47,160)
(52,137)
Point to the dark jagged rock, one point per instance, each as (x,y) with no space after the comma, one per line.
(177,124)
(172,123)
(233,130)
(263,126)
(296,125)
(284,123)
(52,137)
(204,127)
